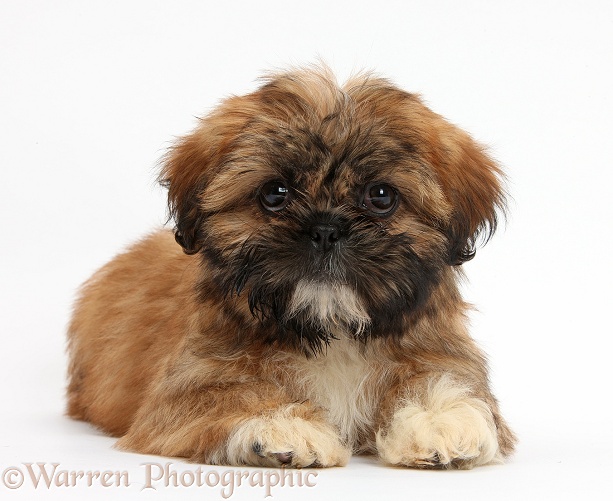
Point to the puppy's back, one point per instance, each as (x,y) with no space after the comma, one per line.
(129,320)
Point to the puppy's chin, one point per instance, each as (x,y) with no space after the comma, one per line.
(329,307)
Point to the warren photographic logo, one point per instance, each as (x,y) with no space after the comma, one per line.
(155,476)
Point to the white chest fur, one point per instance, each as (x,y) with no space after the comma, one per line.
(340,381)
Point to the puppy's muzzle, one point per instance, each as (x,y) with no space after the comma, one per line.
(324,236)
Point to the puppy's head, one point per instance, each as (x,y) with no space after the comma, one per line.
(328,209)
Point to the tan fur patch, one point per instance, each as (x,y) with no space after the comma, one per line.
(335,306)
(444,426)
(341,382)
(279,437)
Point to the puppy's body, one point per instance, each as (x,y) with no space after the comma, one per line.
(306,326)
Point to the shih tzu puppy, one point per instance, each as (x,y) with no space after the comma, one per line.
(306,306)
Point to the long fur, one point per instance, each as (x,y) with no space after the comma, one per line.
(234,339)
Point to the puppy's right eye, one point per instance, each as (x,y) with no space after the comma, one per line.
(274,196)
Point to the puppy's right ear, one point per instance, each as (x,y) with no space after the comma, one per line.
(193,162)
(184,174)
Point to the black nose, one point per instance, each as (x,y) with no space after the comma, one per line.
(324,236)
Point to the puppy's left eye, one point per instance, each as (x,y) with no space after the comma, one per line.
(380,199)
(274,195)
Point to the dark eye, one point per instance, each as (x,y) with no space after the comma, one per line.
(381,199)
(274,195)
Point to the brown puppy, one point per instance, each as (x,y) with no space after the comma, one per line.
(311,309)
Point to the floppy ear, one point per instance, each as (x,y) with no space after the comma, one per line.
(184,174)
(191,164)
(472,183)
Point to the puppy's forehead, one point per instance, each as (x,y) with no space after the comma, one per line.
(315,133)
(326,142)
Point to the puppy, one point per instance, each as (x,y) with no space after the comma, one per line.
(310,309)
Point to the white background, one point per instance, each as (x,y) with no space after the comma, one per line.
(92,94)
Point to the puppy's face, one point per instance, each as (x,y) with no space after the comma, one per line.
(327,210)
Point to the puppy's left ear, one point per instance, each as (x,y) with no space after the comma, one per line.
(472,182)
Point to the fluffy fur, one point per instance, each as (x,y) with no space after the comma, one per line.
(311,307)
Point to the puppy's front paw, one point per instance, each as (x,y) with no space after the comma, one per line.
(448,428)
(283,439)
